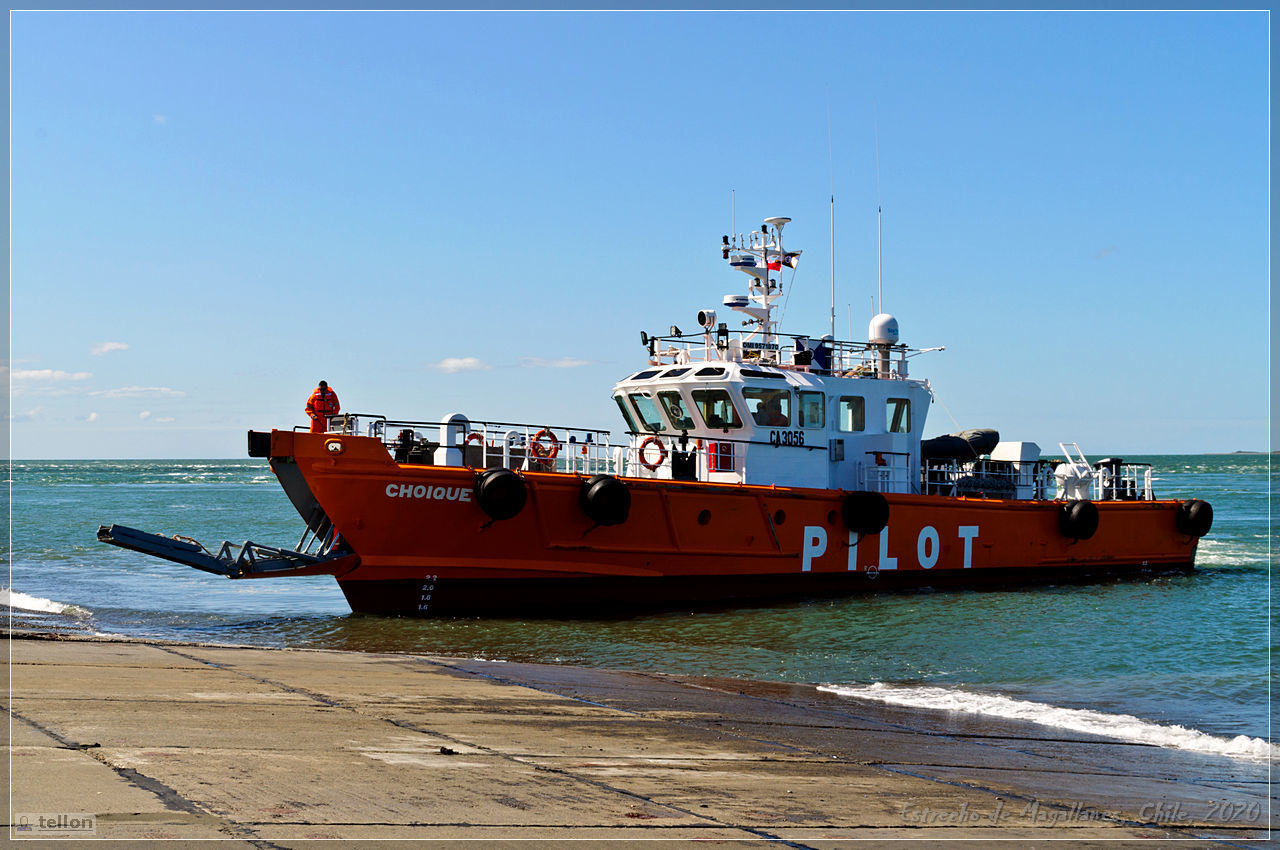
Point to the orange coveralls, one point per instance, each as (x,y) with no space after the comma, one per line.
(322,405)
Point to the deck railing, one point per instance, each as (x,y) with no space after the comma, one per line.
(787,351)
(459,441)
(990,479)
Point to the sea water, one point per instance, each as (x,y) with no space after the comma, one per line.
(1178,660)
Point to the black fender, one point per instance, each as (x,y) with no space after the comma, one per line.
(1078,519)
(501,493)
(1195,517)
(865,512)
(605,499)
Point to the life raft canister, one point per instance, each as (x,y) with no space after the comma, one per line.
(500,493)
(1078,519)
(605,500)
(865,512)
(1195,517)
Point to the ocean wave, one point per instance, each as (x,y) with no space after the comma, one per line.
(24,602)
(1122,727)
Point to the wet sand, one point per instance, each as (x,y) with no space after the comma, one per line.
(272,748)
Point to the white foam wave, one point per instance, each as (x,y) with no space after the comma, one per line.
(1123,727)
(25,602)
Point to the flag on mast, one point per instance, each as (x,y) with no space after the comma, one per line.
(788,259)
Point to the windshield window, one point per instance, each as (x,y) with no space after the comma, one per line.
(717,409)
(650,418)
(771,408)
(898,416)
(853,413)
(813,410)
(674,405)
(626,414)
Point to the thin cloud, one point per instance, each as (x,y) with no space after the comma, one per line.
(164,419)
(25,416)
(554,363)
(49,375)
(160,119)
(137,392)
(146,414)
(460,364)
(108,347)
(44,382)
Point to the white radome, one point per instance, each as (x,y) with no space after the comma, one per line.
(883,329)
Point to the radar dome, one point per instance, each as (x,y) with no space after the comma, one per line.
(883,329)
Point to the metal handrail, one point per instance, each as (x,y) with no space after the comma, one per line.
(847,358)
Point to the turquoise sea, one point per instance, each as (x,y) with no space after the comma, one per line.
(1186,651)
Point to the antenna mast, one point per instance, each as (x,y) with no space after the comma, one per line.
(879,230)
(831,173)
(833,266)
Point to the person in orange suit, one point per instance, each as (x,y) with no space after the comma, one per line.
(322,404)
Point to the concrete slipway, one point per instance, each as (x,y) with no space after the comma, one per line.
(273,748)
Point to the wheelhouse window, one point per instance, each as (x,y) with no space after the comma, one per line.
(771,408)
(898,416)
(650,417)
(626,414)
(813,410)
(675,408)
(717,409)
(853,413)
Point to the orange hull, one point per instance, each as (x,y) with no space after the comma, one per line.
(425,546)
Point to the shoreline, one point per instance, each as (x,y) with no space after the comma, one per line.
(990,704)
(194,741)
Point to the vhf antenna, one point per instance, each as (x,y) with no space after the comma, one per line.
(879,219)
(831,173)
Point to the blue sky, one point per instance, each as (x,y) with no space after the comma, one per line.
(479,212)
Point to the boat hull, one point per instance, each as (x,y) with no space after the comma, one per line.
(426,547)
(538,597)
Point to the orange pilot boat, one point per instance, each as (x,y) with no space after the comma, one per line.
(757,465)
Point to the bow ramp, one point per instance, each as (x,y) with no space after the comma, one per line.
(248,560)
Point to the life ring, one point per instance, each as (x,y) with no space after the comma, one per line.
(474,437)
(662,453)
(545,451)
